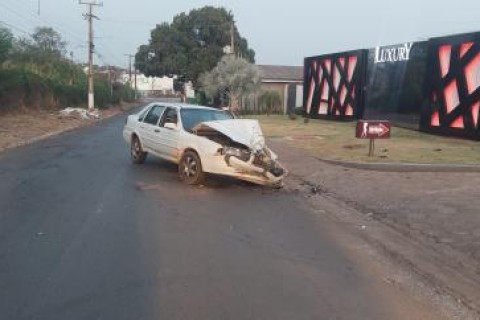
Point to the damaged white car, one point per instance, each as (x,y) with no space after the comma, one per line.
(203,140)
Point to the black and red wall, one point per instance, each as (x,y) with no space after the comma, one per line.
(452,88)
(333,85)
(436,90)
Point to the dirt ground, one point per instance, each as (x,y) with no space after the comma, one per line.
(442,207)
(439,211)
(25,127)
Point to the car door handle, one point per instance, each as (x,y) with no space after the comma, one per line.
(157,130)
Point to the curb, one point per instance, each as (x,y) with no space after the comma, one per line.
(403,167)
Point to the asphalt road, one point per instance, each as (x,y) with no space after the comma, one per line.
(85,234)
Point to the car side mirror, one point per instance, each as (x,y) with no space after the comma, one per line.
(170,125)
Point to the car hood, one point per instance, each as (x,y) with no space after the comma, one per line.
(244,131)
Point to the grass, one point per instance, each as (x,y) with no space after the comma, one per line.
(336,140)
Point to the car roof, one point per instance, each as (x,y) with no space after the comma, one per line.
(181,105)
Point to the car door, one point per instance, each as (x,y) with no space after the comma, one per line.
(149,130)
(169,143)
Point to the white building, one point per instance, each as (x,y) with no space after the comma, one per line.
(150,85)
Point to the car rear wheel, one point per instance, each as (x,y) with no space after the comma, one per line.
(136,151)
(190,169)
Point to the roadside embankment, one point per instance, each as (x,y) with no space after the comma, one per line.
(21,128)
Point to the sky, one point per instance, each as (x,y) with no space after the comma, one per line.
(280,32)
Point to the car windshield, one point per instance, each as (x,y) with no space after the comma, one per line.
(192,117)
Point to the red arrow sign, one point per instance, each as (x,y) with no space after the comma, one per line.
(373,129)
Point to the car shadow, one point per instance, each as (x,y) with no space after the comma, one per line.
(211,181)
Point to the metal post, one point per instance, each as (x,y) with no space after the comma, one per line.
(371,149)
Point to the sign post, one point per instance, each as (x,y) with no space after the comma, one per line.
(373,129)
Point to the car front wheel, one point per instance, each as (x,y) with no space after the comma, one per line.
(136,151)
(190,168)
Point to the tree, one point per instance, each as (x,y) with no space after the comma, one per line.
(44,46)
(191,45)
(49,41)
(44,53)
(6,43)
(232,77)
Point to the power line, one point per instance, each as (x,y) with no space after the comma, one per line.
(39,20)
(21,10)
(15,12)
(132,22)
(19,23)
(110,53)
(83,42)
(14,27)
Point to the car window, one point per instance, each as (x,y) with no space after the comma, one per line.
(170,116)
(154,114)
(192,117)
(142,115)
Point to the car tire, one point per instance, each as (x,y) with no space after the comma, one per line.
(190,168)
(136,151)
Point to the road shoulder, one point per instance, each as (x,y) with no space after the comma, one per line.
(395,232)
(20,129)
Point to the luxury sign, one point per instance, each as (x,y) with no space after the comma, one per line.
(393,54)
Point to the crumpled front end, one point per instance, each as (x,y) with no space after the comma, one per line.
(243,154)
(258,166)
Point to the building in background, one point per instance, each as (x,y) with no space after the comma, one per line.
(150,86)
(395,83)
(334,85)
(287,81)
(430,85)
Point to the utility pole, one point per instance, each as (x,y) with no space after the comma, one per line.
(90,16)
(130,56)
(110,80)
(135,68)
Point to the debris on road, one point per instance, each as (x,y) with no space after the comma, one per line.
(316,189)
(79,113)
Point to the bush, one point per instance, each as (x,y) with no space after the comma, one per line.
(122,93)
(33,75)
(200,99)
(21,88)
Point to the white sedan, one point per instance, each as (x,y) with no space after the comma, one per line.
(202,140)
